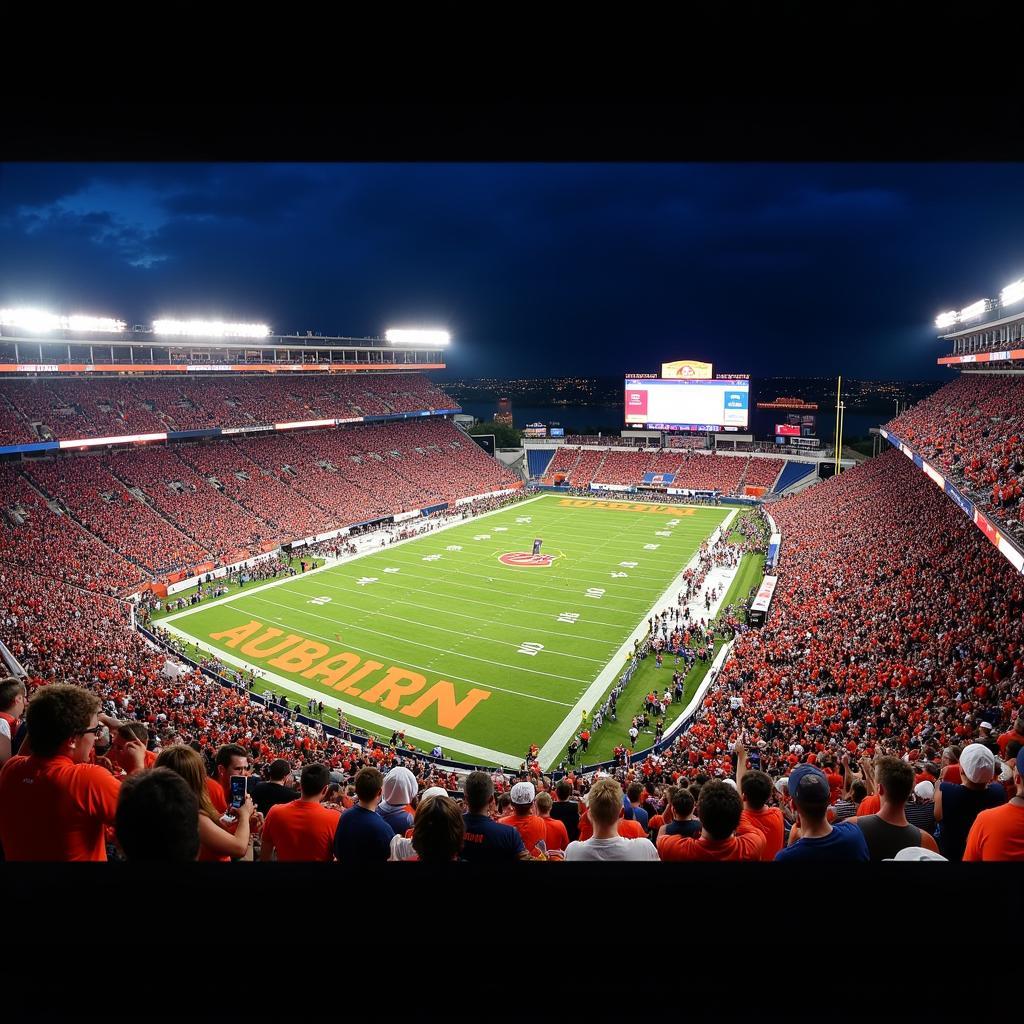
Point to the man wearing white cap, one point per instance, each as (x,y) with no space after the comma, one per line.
(956,807)
(523,819)
(400,787)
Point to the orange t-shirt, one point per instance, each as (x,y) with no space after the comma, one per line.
(768,821)
(951,773)
(997,834)
(871,804)
(301,830)
(52,809)
(1008,737)
(557,837)
(747,843)
(626,829)
(216,791)
(530,827)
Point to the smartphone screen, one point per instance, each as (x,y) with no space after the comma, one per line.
(237,790)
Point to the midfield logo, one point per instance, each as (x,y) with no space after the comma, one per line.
(523,559)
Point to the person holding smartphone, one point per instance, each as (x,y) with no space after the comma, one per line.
(216,842)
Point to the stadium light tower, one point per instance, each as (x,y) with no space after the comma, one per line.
(417,336)
(37,321)
(210,329)
(1012,293)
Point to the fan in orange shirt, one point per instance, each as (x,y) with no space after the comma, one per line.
(302,829)
(557,837)
(63,815)
(756,788)
(523,820)
(723,835)
(626,828)
(998,833)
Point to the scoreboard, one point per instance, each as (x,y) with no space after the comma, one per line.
(704,405)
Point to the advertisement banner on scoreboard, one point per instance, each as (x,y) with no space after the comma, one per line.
(787,430)
(686,369)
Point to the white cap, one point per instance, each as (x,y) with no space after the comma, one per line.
(522,793)
(782,785)
(925,790)
(978,764)
(730,782)
(433,791)
(986,725)
(916,853)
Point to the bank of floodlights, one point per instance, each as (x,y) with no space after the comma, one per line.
(209,329)
(37,321)
(410,336)
(1012,293)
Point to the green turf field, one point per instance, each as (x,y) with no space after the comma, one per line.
(438,637)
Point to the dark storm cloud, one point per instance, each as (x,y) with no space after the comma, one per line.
(535,268)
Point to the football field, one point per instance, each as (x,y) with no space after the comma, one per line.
(462,637)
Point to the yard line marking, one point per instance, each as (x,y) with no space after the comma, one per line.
(456,632)
(462,615)
(411,643)
(409,664)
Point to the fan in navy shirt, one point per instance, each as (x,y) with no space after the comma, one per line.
(363,836)
(956,806)
(487,841)
(820,841)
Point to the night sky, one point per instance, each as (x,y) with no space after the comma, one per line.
(536,269)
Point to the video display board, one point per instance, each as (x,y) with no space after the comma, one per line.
(687,404)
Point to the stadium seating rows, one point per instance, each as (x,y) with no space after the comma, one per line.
(43,409)
(169,507)
(972,429)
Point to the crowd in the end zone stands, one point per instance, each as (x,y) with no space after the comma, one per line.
(972,430)
(878,714)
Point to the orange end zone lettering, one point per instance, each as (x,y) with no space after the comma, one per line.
(233,637)
(449,712)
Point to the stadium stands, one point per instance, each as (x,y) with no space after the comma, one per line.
(762,472)
(972,429)
(41,409)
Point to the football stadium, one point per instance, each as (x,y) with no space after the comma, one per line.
(272,585)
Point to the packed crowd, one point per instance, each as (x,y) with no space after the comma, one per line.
(41,409)
(164,509)
(878,714)
(579,467)
(972,429)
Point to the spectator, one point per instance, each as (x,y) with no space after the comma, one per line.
(566,811)
(604,808)
(998,833)
(123,733)
(363,836)
(523,819)
(302,829)
(557,837)
(813,838)
(401,846)
(13,699)
(157,818)
(846,807)
(230,759)
(54,804)
(956,806)
(724,836)
(920,810)
(634,795)
(756,788)
(439,832)
(216,842)
(1015,735)
(680,819)
(487,841)
(278,789)
(400,788)
(888,831)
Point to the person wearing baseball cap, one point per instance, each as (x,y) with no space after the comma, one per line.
(400,788)
(957,807)
(812,838)
(998,833)
(523,817)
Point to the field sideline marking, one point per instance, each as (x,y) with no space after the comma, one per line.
(595,692)
(485,754)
